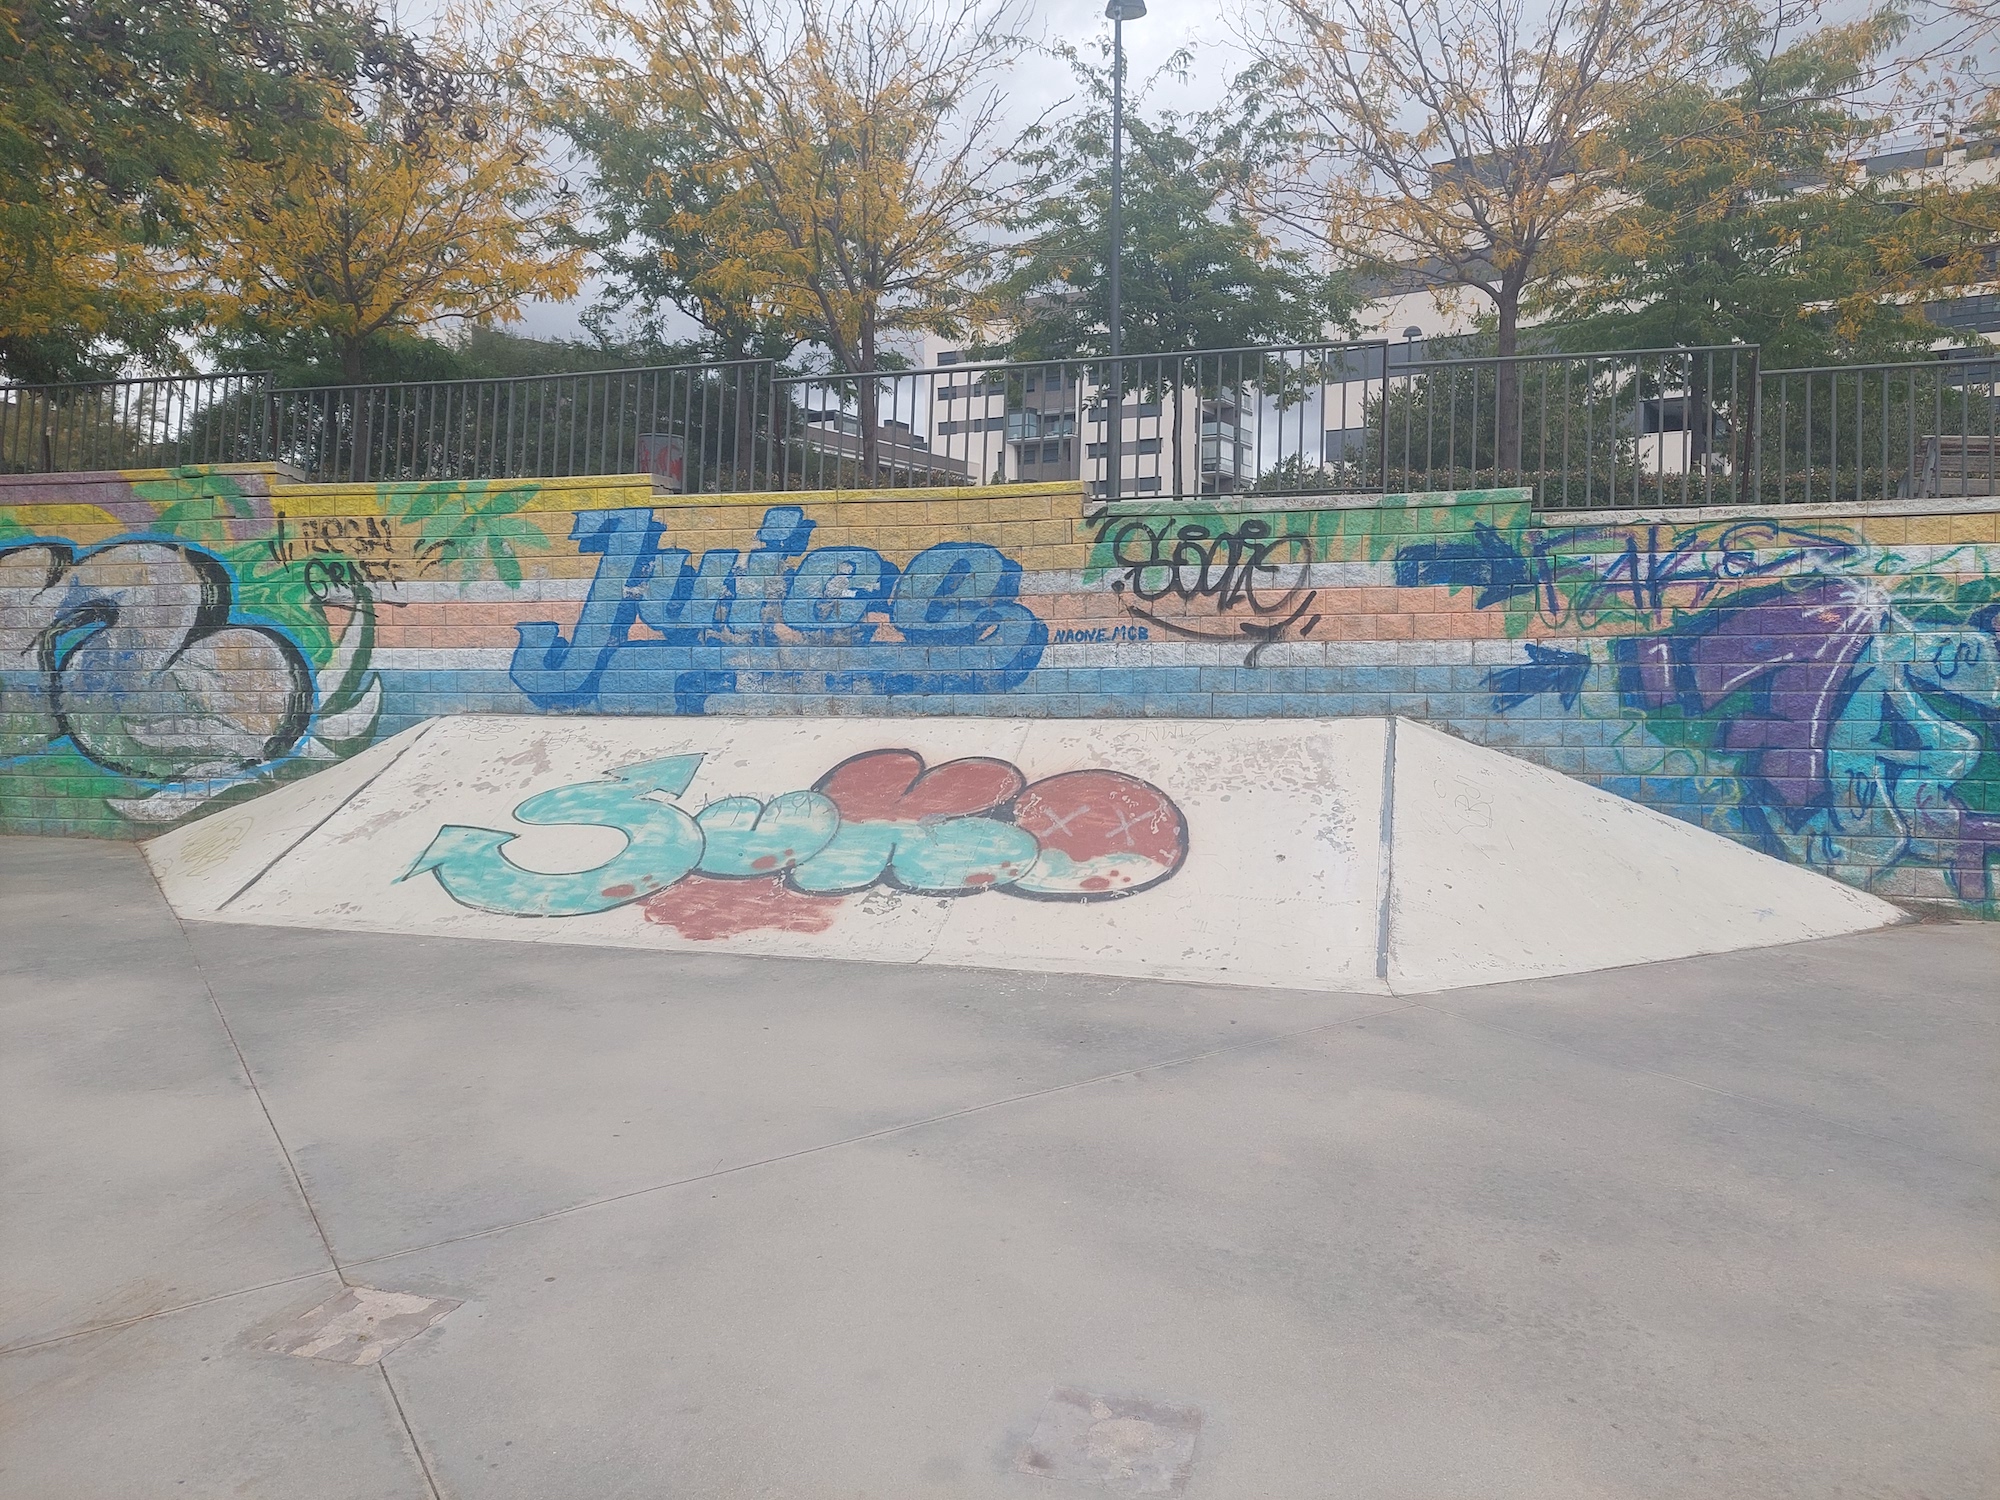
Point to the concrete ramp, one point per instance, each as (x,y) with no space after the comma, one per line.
(1353,854)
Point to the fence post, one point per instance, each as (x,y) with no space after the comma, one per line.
(267,436)
(1382,417)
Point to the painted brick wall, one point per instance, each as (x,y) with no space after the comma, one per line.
(1822,684)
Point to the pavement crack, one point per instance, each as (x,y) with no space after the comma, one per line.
(159,1312)
(423,1463)
(250,1077)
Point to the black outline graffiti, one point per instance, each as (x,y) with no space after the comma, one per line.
(74,624)
(1225,565)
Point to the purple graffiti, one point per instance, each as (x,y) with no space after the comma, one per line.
(1842,715)
(1792,653)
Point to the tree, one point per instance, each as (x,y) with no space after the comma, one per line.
(846,159)
(1461,143)
(650,196)
(402,218)
(113,112)
(1199,269)
(1742,213)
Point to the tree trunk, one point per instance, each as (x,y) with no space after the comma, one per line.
(359,437)
(1507,390)
(868,401)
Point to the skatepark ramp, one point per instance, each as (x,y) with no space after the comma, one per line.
(1372,855)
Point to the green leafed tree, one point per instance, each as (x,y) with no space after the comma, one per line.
(1200,269)
(650,201)
(1742,212)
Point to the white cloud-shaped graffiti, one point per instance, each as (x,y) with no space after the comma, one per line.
(130,651)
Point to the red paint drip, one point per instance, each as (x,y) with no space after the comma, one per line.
(706,909)
(620,892)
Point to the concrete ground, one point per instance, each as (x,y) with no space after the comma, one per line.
(732,1227)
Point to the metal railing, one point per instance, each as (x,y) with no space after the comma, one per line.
(1878,432)
(1625,428)
(678,421)
(1213,422)
(1658,427)
(151,422)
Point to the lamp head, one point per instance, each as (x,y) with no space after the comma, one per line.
(1413,332)
(1125,10)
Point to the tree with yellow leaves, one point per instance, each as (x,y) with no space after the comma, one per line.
(114,115)
(1460,143)
(406,215)
(847,158)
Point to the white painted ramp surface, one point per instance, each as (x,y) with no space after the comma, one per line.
(1349,855)
(203,864)
(1506,870)
(1277,885)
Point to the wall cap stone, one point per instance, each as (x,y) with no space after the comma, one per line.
(1682,514)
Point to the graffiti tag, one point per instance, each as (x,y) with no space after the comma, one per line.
(342,554)
(1239,584)
(732,623)
(1595,575)
(877,819)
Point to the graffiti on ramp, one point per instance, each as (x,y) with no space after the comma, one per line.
(878,819)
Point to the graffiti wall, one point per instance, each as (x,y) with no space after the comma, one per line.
(1824,686)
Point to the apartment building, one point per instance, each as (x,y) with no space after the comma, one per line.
(1408,305)
(1021,423)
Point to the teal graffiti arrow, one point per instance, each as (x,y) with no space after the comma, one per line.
(662,844)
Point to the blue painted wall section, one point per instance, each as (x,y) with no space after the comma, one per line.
(960,626)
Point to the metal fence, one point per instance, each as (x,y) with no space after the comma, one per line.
(1201,423)
(1878,432)
(1633,427)
(683,422)
(1660,427)
(146,423)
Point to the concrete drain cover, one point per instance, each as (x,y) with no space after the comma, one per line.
(359,1326)
(1125,1444)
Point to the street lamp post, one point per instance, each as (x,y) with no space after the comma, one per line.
(1119,12)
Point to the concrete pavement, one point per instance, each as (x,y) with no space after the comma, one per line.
(710,1225)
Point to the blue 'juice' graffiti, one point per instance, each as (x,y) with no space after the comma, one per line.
(781,619)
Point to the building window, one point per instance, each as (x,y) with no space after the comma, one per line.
(1143,409)
(1149,445)
(1975,314)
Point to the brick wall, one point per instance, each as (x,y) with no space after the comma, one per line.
(1820,684)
